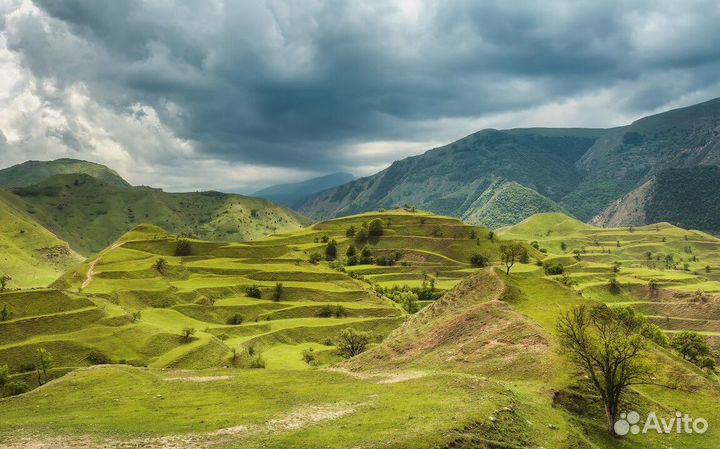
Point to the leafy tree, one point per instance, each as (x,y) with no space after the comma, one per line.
(509,254)
(366,256)
(563,246)
(277,292)
(45,363)
(479,261)
(253,291)
(183,248)
(653,333)
(691,346)
(375,227)
(331,250)
(187,334)
(351,254)
(491,236)
(352,342)
(362,235)
(350,232)
(606,345)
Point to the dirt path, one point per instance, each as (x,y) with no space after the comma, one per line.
(90,275)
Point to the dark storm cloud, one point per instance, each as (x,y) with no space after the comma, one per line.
(286,83)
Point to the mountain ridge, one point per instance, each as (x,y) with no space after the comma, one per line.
(584,171)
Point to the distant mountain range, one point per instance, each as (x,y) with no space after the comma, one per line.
(659,168)
(294,194)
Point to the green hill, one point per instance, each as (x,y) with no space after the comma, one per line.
(506,203)
(33,172)
(91,214)
(30,255)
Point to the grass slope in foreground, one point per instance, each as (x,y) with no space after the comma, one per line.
(30,255)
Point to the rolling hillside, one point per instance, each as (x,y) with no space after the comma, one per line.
(90,214)
(478,368)
(33,172)
(30,255)
(670,274)
(122,305)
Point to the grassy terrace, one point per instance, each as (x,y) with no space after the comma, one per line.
(477,368)
(683,264)
(120,305)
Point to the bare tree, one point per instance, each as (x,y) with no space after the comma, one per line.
(606,344)
(509,254)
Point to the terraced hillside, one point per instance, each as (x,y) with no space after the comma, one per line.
(669,274)
(125,306)
(30,255)
(90,213)
(478,369)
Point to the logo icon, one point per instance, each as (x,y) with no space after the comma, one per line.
(628,423)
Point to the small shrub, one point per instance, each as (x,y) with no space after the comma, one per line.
(98,358)
(253,292)
(479,261)
(315,258)
(17,387)
(309,356)
(277,292)
(187,334)
(352,342)
(553,269)
(5,313)
(257,362)
(235,319)
(183,248)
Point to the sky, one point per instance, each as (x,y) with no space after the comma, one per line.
(237,95)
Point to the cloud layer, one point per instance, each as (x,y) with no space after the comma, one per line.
(240,94)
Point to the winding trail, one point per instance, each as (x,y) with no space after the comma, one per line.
(90,275)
